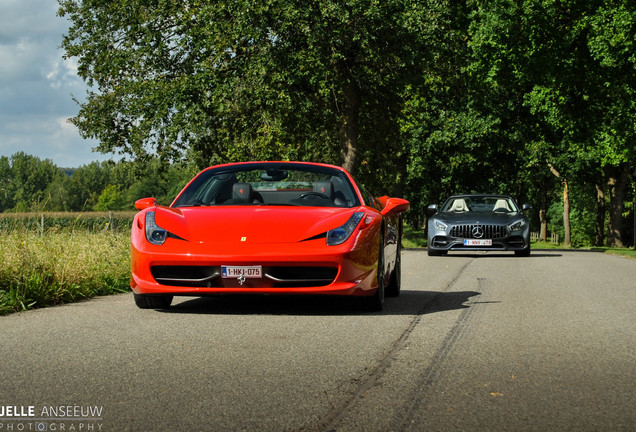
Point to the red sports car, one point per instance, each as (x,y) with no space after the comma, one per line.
(270,228)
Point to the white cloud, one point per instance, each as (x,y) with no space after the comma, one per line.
(37,86)
(47,138)
(63,72)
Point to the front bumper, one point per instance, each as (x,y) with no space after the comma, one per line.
(310,267)
(443,242)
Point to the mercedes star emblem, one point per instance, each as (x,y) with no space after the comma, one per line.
(478,232)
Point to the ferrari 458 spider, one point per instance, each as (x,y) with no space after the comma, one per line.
(269,228)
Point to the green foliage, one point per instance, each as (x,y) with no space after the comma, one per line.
(111,198)
(426,98)
(413,237)
(97,186)
(221,81)
(39,271)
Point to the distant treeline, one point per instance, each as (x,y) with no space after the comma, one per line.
(29,184)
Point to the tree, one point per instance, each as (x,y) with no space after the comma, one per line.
(30,177)
(242,79)
(6,184)
(111,198)
(611,42)
(567,71)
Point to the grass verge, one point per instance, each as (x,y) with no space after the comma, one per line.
(413,237)
(61,267)
(57,268)
(629,253)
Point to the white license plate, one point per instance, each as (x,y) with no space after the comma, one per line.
(473,242)
(235,272)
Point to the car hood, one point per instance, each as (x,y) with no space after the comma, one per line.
(474,218)
(250,224)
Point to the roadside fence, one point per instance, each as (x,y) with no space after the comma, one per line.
(43,223)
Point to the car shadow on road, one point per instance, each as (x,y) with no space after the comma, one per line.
(408,303)
(484,254)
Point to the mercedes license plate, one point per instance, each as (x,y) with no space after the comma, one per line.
(474,242)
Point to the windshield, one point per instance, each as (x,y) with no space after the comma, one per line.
(480,203)
(270,184)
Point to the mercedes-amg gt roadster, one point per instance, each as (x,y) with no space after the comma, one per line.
(268,228)
(478,222)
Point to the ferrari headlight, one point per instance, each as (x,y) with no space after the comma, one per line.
(439,225)
(339,235)
(154,233)
(517,225)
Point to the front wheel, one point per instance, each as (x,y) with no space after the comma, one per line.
(395,284)
(525,252)
(433,252)
(375,303)
(144,301)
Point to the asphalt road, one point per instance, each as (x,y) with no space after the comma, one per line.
(475,342)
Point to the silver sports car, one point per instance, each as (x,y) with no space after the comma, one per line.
(478,222)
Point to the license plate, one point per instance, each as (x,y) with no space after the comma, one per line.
(235,272)
(473,242)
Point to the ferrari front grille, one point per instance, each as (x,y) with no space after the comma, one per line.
(479,231)
(193,276)
(274,276)
(301,276)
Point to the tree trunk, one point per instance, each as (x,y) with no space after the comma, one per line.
(349,117)
(600,216)
(567,241)
(543,212)
(617,177)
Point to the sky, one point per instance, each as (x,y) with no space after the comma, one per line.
(37,86)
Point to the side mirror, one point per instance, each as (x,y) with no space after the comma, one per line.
(145,203)
(526,207)
(394,206)
(431,209)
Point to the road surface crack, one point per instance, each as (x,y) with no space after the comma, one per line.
(331,421)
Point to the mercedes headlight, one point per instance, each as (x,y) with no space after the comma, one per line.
(516,226)
(439,225)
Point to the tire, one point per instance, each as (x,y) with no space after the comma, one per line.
(395,284)
(524,252)
(433,252)
(375,303)
(144,301)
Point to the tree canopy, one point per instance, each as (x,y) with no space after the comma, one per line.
(423,98)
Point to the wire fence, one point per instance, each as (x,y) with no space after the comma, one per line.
(554,237)
(43,223)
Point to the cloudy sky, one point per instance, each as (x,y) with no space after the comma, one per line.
(37,86)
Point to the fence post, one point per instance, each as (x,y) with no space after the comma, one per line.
(42,225)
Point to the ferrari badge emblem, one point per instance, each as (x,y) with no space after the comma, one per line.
(241,279)
(243,238)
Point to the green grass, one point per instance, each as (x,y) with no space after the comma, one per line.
(415,238)
(629,253)
(55,268)
(626,252)
(545,245)
(412,237)
(65,265)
